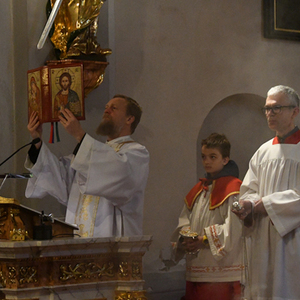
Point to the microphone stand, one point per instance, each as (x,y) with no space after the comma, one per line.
(18,176)
(24,175)
(35,141)
(3,181)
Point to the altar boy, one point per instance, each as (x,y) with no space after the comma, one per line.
(208,231)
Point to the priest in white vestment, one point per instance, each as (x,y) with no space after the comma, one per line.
(102,184)
(270,200)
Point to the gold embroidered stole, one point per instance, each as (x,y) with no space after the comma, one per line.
(86,214)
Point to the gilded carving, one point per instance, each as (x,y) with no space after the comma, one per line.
(14,212)
(123,269)
(105,265)
(3,218)
(2,279)
(18,234)
(28,275)
(134,295)
(86,270)
(4,200)
(75,29)
(12,275)
(3,214)
(136,270)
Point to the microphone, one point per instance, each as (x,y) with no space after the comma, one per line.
(33,142)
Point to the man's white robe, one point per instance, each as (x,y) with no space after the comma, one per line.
(274,242)
(102,185)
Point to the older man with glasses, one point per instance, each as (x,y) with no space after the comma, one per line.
(270,203)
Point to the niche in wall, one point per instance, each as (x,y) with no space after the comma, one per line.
(240,118)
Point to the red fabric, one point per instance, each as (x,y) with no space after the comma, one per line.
(51,139)
(292,139)
(213,290)
(222,188)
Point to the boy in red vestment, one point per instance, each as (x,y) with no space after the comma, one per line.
(208,232)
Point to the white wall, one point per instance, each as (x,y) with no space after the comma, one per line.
(178,59)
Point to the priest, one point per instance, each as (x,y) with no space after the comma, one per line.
(102,184)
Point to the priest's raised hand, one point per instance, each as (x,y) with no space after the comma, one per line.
(71,124)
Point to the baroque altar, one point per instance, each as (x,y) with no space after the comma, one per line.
(73,268)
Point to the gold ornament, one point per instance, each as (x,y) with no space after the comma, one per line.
(75,29)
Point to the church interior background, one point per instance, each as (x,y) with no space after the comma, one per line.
(194,66)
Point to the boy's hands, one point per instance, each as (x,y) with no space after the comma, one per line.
(192,245)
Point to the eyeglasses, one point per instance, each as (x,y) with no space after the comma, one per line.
(275,109)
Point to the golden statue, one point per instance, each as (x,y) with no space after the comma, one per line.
(75,28)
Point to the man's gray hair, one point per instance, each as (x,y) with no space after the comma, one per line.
(290,93)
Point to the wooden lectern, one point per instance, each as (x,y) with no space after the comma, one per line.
(66,268)
(18,222)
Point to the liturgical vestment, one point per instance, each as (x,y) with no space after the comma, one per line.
(274,241)
(102,185)
(221,261)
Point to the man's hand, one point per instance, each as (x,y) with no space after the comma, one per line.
(35,128)
(71,124)
(259,207)
(246,209)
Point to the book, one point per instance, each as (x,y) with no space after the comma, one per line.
(52,87)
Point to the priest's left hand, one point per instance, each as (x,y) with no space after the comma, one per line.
(71,124)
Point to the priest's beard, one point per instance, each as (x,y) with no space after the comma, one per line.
(107,128)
